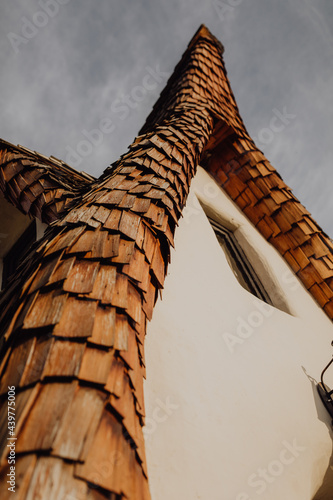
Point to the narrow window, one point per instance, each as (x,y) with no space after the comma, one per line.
(239,263)
(17,252)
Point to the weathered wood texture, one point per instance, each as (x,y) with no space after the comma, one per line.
(37,185)
(74,315)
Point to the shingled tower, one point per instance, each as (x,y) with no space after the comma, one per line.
(74,313)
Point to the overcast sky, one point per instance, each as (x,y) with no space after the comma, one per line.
(68,67)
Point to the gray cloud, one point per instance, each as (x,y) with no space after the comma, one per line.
(68,75)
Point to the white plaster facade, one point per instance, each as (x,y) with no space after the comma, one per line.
(232,408)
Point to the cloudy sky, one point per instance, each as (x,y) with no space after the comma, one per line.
(72,66)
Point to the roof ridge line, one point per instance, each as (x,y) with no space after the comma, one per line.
(204,32)
(53,160)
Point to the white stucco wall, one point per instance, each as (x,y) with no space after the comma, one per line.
(231,413)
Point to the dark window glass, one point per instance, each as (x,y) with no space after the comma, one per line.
(239,263)
(17,252)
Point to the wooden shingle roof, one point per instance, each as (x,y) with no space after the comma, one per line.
(37,185)
(73,318)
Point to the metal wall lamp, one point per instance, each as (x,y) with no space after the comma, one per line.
(324,392)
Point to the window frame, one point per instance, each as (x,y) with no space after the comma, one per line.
(239,262)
